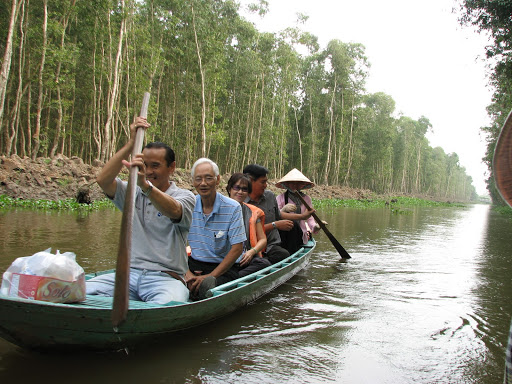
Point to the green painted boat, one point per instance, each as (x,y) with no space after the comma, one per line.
(87,325)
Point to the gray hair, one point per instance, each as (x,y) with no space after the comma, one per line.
(203,160)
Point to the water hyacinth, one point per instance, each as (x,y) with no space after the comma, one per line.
(391,202)
(394,203)
(59,205)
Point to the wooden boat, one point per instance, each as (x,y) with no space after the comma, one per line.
(502,161)
(87,325)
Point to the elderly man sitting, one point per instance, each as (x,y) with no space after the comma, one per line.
(216,235)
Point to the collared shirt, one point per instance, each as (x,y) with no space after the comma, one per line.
(212,236)
(158,242)
(268,205)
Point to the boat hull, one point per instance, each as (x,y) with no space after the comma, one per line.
(87,325)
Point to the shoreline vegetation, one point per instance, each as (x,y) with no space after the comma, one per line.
(69,184)
(69,204)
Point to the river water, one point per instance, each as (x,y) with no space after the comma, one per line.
(424,299)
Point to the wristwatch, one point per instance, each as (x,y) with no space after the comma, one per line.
(147,191)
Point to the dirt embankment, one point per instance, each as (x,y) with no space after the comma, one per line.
(61,177)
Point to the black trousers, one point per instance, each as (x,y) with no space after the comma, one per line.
(256,264)
(276,254)
(205,268)
(292,240)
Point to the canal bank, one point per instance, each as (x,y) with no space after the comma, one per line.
(66,178)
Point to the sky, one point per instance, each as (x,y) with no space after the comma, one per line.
(419,54)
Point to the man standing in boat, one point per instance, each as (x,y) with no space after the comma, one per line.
(162,219)
(217,233)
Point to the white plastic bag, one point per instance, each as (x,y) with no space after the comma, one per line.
(45,276)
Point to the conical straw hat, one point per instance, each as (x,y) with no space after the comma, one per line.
(295,175)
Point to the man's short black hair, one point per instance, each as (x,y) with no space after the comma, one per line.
(255,171)
(169,153)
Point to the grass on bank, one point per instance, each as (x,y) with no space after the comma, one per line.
(72,205)
(504,210)
(395,202)
(50,205)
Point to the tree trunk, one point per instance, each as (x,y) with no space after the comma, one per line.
(340,149)
(418,163)
(260,126)
(11,145)
(60,109)
(112,95)
(350,149)
(6,62)
(331,123)
(203,101)
(251,121)
(312,164)
(95,115)
(280,167)
(247,140)
(39,108)
(298,135)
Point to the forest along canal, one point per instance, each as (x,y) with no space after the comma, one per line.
(424,299)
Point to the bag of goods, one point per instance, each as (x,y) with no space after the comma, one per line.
(45,276)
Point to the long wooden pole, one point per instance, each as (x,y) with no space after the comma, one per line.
(343,253)
(120,304)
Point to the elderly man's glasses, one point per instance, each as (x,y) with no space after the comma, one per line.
(239,188)
(208,179)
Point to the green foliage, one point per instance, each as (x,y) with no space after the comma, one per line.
(278,99)
(59,205)
(503,209)
(394,203)
(493,17)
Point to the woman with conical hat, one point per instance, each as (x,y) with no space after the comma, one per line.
(288,202)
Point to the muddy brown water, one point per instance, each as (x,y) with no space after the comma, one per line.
(424,299)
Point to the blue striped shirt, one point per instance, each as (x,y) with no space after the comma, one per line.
(212,236)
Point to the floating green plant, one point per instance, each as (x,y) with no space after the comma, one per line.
(394,203)
(60,205)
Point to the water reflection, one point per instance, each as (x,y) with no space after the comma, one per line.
(424,299)
(93,236)
(410,283)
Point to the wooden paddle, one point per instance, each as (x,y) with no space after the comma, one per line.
(343,253)
(120,304)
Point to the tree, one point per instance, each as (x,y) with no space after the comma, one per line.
(6,62)
(493,18)
(220,88)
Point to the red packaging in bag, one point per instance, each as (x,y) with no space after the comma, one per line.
(47,288)
(45,276)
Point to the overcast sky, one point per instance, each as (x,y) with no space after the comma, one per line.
(419,55)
